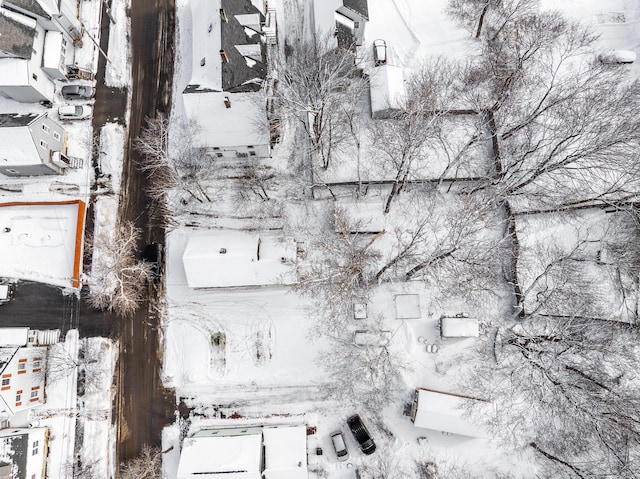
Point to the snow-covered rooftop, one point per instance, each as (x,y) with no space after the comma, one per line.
(459,327)
(242,123)
(13,336)
(444,412)
(215,259)
(14,72)
(285,452)
(216,457)
(42,241)
(387,89)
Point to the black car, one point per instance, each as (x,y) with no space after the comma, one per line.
(361,434)
(153,255)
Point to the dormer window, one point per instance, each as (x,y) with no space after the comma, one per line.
(224,56)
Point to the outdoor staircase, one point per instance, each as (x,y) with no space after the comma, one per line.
(44,337)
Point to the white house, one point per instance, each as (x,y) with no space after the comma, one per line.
(245,453)
(35,47)
(21,373)
(23,453)
(224,96)
(219,259)
(441,411)
(32,144)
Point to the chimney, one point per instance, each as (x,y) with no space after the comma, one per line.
(227,102)
(224,56)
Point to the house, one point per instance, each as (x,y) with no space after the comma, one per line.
(245,453)
(23,453)
(387,90)
(442,411)
(32,144)
(224,96)
(346,18)
(21,373)
(218,259)
(36,45)
(53,15)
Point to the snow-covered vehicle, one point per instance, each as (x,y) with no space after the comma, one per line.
(371,338)
(74,112)
(379,52)
(617,56)
(339,446)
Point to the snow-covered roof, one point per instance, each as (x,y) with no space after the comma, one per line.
(13,336)
(285,452)
(42,241)
(52,49)
(217,259)
(387,89)
(14,72)
(459,327)
(17,33)
(243,123)
(16,142)
(443,412)
(221,457)
(212,36)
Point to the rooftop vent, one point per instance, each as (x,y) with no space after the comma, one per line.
(223,250)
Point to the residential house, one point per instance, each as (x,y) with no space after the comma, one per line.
(219,259)
(23,453)
(54,15)
(36,45)
(32,144)
(346,18)
(21,373)
(224,96)
(245,453)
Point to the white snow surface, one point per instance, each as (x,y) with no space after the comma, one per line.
(118,69)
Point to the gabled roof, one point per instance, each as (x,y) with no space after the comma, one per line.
(14,451)
(33,6)
(238,35)
(240,72)
(358,6)
(16,36)
(12,120)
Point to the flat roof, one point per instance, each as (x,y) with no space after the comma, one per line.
(42,241)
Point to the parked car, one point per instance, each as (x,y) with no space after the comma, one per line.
(379,52)
(361,434)
(153,254)
(337,440)
(617,56)
(75,92)
(370,338)
(7,290)
(74,112)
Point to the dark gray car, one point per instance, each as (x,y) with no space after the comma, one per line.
(361,434)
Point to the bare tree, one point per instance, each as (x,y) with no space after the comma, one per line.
(338,270)
(179,166)
(566,126)
(566,388)
(147,465)
(315,82)
(120,280)
(478,16)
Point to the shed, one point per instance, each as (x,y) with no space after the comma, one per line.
(285,450)
(459,327)
(387,89)
(443,411)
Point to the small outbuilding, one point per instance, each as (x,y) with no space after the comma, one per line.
(459,327)
(442,411)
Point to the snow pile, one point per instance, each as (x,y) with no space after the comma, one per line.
(112,138)
(118,70)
